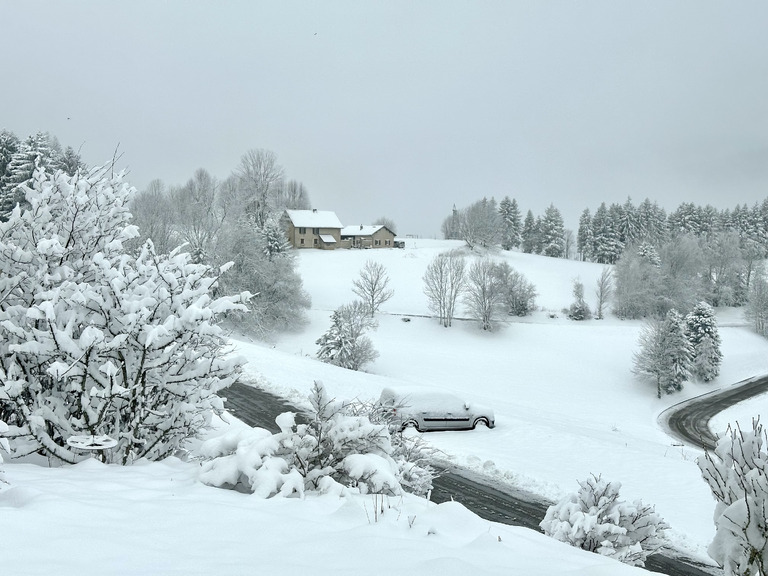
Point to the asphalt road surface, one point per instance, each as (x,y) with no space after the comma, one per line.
(498,503)
(689,421)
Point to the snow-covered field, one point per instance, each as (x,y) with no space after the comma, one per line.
(566,402)
(566,406)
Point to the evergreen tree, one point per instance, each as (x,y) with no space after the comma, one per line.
(9,145)
(579,310)
(345,343)
(629,226)
(685,220)
(701,331)
(665,353)
(605,237)
(584,238)
(529,234)
(552,233)
(509,215)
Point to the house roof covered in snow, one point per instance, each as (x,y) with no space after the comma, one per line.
(362,230)
(314,218)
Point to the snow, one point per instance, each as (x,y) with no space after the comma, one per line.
(566,402)
(107,520)
(566,406)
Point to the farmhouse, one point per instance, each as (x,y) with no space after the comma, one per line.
(313,229)
(376,236)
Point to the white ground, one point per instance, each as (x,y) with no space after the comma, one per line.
(566,406)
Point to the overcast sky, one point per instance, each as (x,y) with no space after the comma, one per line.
(403,109)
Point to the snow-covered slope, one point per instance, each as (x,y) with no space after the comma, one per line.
(566,402)
(566,406)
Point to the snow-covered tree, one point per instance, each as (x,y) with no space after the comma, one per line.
(737,475)
(259,176)
(479,224)
(552,233)
(638,284)
(701,331)
(274,238)
(338,450)
(94,341)
(373,286)
(345,343)
(606,241)
(153,213)
(197,216)
(595,519)
(483,295)
(510,222)
(603,291)
(444,280)
(529,235)
(279,300)
(584,240)
(757,306)
(518,295)
(665,353)
(579,310)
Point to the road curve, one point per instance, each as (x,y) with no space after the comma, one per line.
(689,421)
(499,503)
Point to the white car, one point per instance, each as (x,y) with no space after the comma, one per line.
(426,410)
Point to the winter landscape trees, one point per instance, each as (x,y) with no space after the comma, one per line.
(235,220)
(96,341)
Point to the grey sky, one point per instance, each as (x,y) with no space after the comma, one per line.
(402,109)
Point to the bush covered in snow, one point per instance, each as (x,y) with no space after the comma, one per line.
(334,451)
(594,519)
(96,341)
(737,475)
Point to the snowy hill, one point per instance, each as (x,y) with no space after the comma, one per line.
(566,402)
(566,406)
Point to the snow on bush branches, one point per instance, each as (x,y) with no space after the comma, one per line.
(333,452)
(594,519)
(96,341)
(737,475)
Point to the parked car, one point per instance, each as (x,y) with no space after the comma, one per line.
(426,410)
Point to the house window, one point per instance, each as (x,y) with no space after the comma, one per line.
(378,243)
(315,241)
(302,231)
(315,230)
(386,242)
(302,242)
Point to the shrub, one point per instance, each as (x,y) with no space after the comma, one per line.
(594,519)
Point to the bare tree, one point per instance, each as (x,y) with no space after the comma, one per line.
(388,222)
(483,295)
(151,210)
(258,174)
(443,282)
(371,287)
(197,215)
(292,195)
(603,291)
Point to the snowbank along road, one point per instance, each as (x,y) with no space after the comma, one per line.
(497,503)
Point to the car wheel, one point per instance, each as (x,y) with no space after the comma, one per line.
(410,424)
(481,422)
